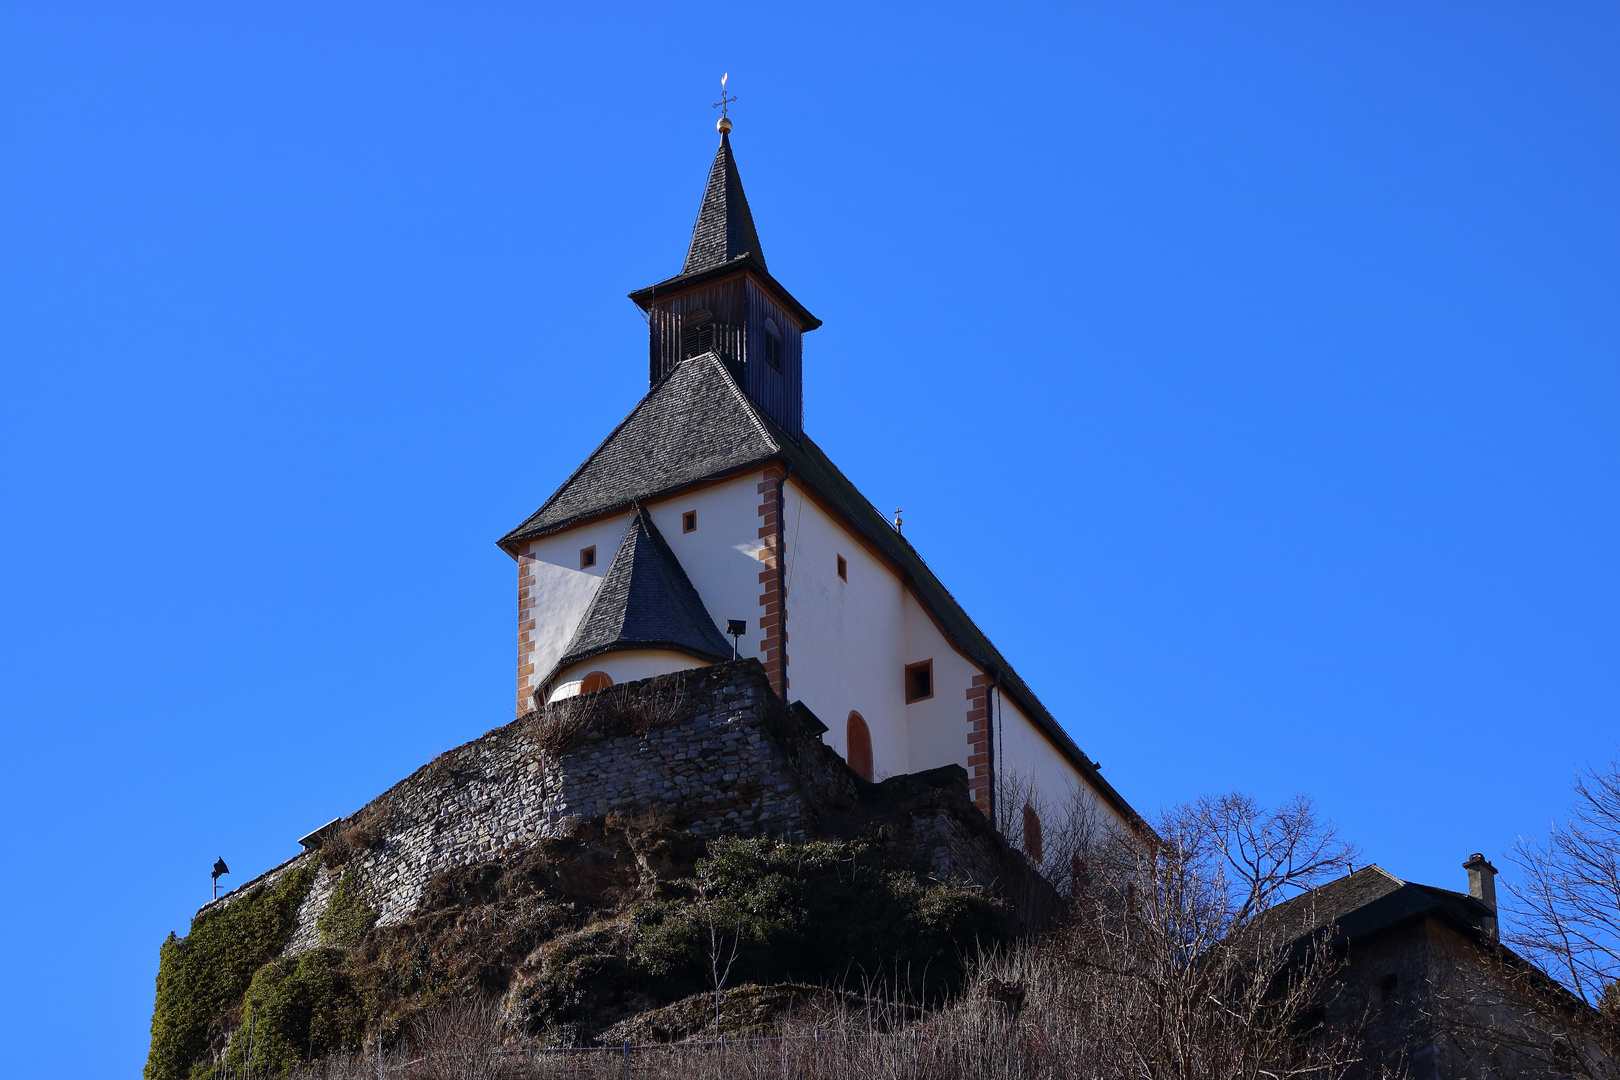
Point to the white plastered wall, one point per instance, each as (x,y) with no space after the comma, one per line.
(623,666)
(561,590)
(846,639)
(721,557)
(1026,758)
(937,725)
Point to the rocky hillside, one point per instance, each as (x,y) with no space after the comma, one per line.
(582,923)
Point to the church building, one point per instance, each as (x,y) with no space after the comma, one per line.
(710,512)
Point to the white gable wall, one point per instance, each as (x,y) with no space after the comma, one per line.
(722,556)
(560,591)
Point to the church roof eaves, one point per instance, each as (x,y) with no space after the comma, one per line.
(812,465)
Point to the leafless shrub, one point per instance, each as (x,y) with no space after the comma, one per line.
(561,726)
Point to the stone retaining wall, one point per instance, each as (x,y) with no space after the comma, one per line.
(712,751)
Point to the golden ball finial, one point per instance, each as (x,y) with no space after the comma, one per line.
(723,125)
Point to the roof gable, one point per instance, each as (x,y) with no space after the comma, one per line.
(1367,901)
(694,425)
(645,601)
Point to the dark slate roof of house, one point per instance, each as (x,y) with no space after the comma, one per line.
(696,424)
(645,601)
(1367,901)
(725,226)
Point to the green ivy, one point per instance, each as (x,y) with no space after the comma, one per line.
(296,1010)
(347,916)
(203,975)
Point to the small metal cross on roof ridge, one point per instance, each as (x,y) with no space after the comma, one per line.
(724,101)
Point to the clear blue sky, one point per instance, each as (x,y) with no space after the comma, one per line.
(1248,370)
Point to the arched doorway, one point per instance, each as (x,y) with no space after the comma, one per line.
(594,681)
(858,739)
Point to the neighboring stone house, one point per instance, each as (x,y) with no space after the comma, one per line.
(709,511)
(1426,990)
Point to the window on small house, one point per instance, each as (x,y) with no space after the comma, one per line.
(1032,833)
(843,569)
(858,746)
(919,681)
(773,344)
(587,557)
(594,681)
(697,334)
(689,521)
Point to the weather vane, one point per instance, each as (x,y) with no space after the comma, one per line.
(723,125)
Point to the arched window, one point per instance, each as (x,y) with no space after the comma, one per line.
(1032,833)
(773,344)
(594,681)
(697,334)
(859,743)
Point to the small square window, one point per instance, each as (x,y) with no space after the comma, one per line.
(689,521)
(587,557)
(843,569)
(919,681)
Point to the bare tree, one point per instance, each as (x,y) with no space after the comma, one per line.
(1258,855)
(1566,904)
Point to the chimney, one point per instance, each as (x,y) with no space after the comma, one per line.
(1482,887)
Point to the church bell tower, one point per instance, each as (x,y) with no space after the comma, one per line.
(725,301)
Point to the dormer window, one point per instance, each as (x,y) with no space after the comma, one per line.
(697,334)
(773,344)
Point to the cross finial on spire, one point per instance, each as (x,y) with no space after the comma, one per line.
(723,125)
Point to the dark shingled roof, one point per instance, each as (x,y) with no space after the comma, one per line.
(645,601)
(695,425)
(1369,900)
(725,227)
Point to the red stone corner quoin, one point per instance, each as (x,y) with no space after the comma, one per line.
(526,628)
(978,721)
(773,613)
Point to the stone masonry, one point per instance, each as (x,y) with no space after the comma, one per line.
(712,751)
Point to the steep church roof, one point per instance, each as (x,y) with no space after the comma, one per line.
(645,601)
(697,425)
(725,226)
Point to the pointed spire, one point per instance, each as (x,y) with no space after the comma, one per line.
(725,227)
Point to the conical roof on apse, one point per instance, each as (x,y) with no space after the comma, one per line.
(646,601)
